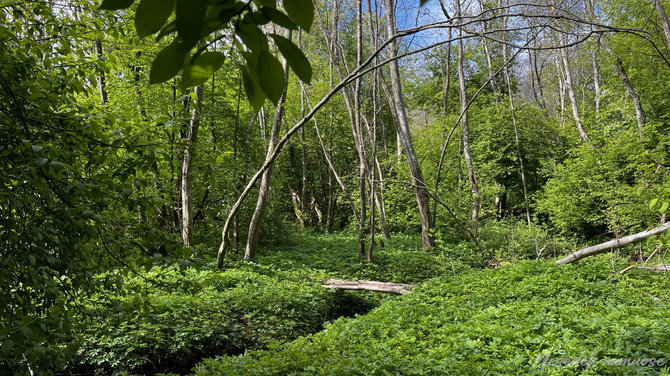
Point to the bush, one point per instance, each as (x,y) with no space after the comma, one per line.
(203,313)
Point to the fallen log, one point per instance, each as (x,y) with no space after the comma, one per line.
(390,287)
(613,244)
(657,268)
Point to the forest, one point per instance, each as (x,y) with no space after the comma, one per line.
(334,187)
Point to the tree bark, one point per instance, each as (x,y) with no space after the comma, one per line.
(186,171)
(358,132)
(101,72)
(405,137)
(395,288)
(613,244)
(264,188)
(561,90)
(571,93)
(663,18)
(589,7)
(639,113)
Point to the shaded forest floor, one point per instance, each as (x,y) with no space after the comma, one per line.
(271,316)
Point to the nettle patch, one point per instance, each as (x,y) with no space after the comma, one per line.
(503,321)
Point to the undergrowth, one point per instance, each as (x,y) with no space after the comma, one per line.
(497,322)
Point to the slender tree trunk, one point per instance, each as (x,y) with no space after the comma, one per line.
(406,139)
(264,189)
(537,72)
(353,109)
(101,73)
(447,78)
(187,171)
(303,150)
(138,93)
(236,222)
(639,113)
(596,77)
(445,109)
(571,92)
(561,90)
(663,19)
(358,132)
(329,162)
(489,63)
(522,170)
(474,190)
(589,7)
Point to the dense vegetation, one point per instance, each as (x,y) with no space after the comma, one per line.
(179,178)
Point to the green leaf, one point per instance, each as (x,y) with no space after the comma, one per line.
(252,37)
(151,16)
(27,332)
(252,89)
(167,63)
(266,3)
(41,161)
(664,207)
(301,12)
(422,2)
(652,203)
(255,18)
(7,346)
(278,18)
(116,4)
(270,76)
(295,58)
(202,68)
(168,29)
(640,190)
(190,18)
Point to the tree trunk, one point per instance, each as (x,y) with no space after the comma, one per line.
(639,113)
(613,244)
(303,150)
(663,18)
(101,79)
(445,110)
(561,90)
(571,93)
(395,288)
(537,73)
(405,137)
(522,170)
(264,189)
(589,7)
(474,190)
(447,77)
(358,132)
(187,173)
